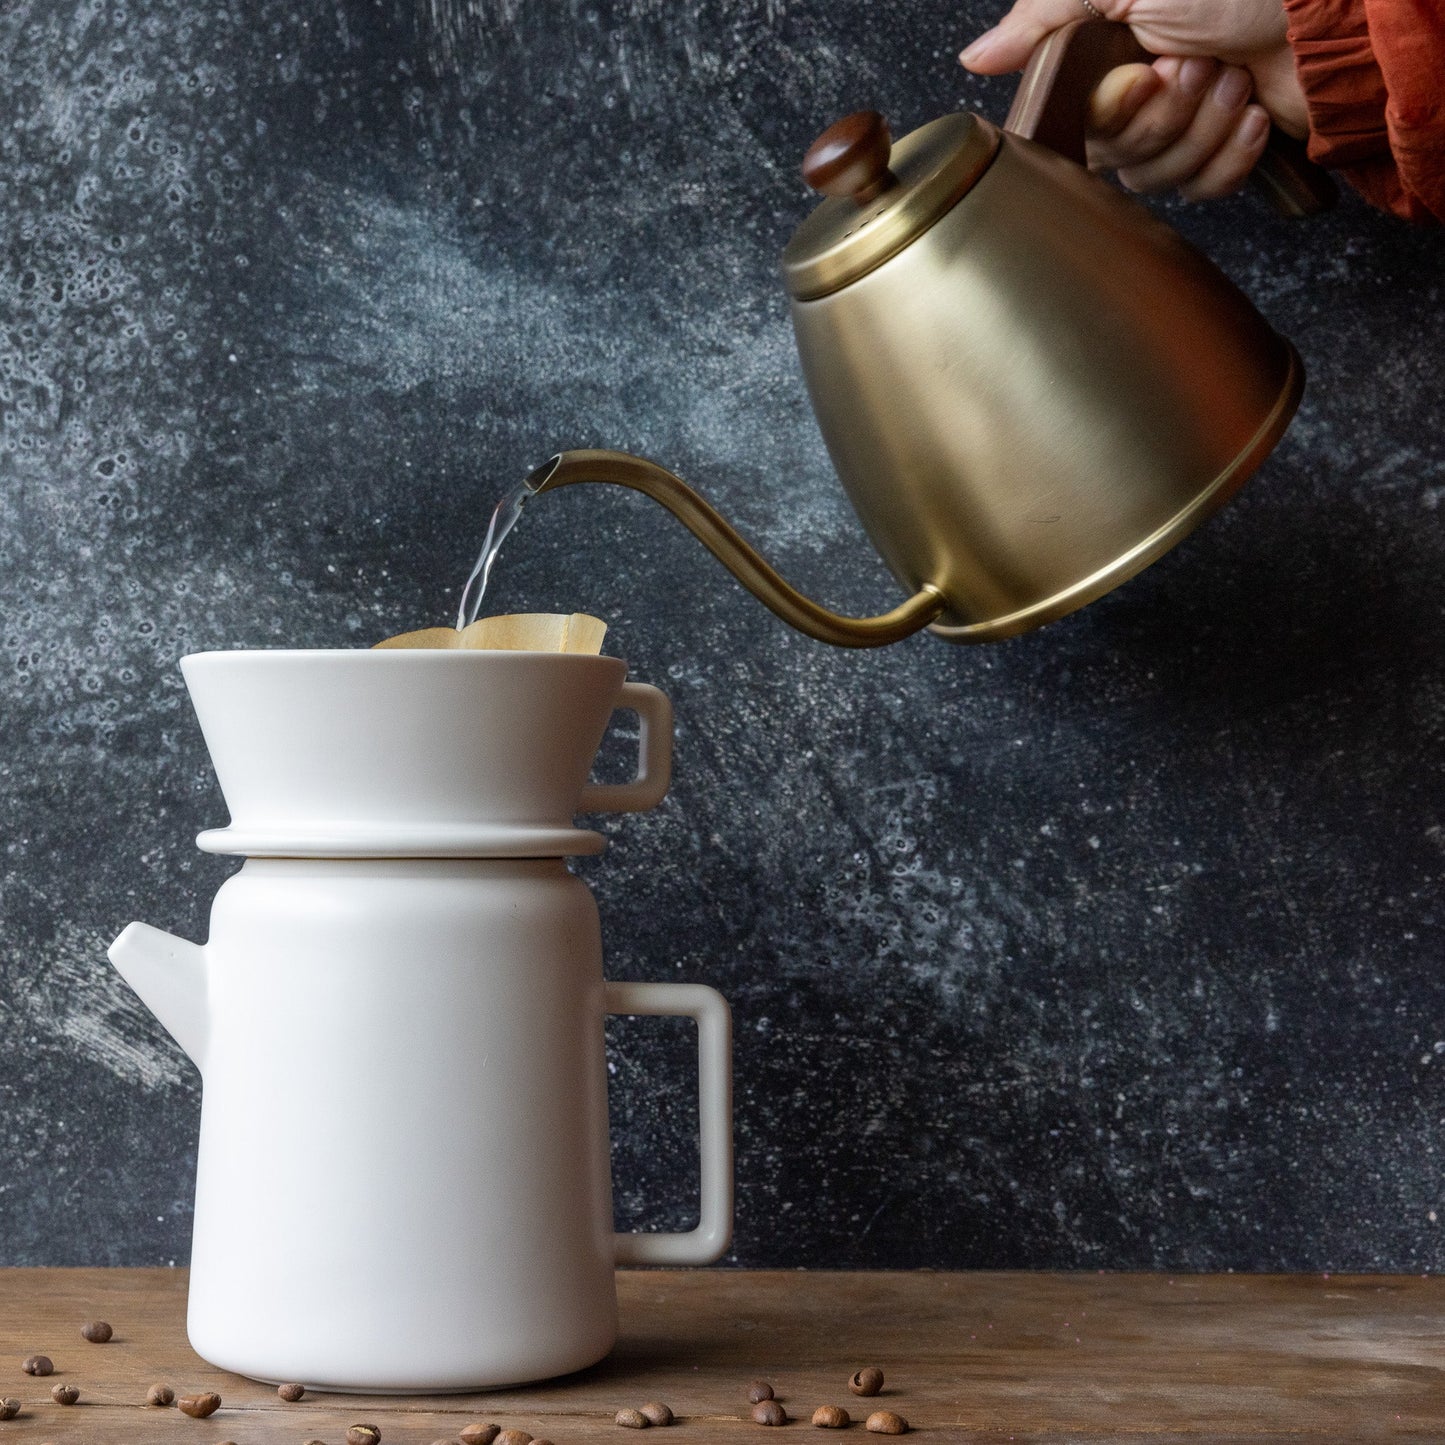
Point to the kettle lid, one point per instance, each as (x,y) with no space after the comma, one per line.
(880,195)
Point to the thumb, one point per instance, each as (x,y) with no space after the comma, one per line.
(1010,43)
(1118,96)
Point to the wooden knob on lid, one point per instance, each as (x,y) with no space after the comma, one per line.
(850,158)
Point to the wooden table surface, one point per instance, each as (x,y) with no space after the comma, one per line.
(1026,1357)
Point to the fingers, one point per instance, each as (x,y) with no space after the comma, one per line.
(1161,120)
(1196,131)
(1010,43)
(1217,96)
(1229,167)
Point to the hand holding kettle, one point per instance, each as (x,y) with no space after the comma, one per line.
(1198,118)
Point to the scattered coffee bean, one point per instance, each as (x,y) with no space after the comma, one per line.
(199,1406)
(291,1392)
(39,1365)
(64,1394)
(885,1422)
(315,1442)
(160,1395)
(9,1408)
(867,1382)
(758,1391)
(769,1412)
(541,1442)
(364,1435)
(631,1419)
(479,1434)
(97,1332)
(514,1437)
(657,1413)
(830,1417)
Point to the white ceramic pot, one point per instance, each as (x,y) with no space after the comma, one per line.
(403,1180)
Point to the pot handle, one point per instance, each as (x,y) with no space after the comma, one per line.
(654,756)
(710,1011)
(1051,106)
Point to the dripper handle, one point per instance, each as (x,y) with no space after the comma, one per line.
(654,756)
(1051,106)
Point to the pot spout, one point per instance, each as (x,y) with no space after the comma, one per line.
(718,536)
(169,974)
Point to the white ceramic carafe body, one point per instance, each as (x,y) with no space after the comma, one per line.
(403,1174)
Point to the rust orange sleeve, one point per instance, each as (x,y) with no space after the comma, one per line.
(1373,73)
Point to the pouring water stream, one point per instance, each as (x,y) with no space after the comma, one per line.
(504,518)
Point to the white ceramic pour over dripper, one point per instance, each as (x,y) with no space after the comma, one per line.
(418,753)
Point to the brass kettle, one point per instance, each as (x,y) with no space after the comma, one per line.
(1030,386)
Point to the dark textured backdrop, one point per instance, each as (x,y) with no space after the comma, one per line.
(1115,945)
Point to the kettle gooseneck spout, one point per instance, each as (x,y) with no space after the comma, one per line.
(169,974)
(719,537)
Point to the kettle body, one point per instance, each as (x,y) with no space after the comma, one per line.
(1041,393)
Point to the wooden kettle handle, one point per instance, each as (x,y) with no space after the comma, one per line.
(1051,106)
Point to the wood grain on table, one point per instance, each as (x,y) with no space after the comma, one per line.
(1025,1357)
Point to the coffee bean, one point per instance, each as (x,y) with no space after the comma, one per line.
(9,1408)
(541,1442)
(885,1422)
(758,1391)
(631,1419)
(64,1394)
(830,1417)
(39,1365)
(160,1395)
(769,1412)
(867,1382)
(315,1442)
(657,1413)
(97,1332)
(291,1392)
(199,1406)
(513,1437)
(363,1435)
(479,1434)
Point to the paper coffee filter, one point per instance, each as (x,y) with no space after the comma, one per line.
(513,632)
